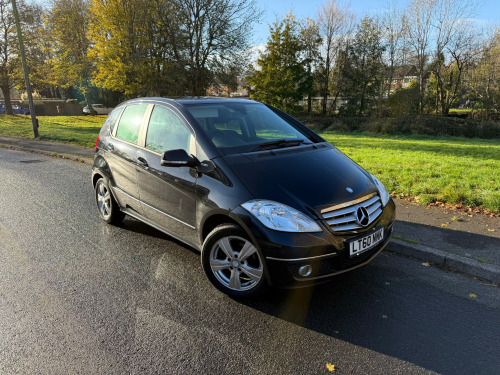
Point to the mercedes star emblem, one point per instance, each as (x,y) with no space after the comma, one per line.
(362,217)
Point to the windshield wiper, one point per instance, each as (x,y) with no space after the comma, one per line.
(280,143)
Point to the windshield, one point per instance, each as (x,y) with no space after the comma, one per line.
(241,127)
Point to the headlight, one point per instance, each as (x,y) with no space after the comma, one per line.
(279,217)
(384,194)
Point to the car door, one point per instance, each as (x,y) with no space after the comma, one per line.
(168,193)
(122,158)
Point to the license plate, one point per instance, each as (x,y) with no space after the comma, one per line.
(361,244)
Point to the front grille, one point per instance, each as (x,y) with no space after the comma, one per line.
(342,217)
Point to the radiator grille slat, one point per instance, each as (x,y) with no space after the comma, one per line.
(343,217)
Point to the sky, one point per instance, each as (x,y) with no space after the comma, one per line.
(489,12)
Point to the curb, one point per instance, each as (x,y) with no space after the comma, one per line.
(60,155)
(466,265)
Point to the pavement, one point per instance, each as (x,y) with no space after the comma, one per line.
(444,237)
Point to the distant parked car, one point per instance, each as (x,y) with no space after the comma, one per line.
(100,109)
(16,109)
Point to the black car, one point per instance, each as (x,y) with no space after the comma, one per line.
(265,199)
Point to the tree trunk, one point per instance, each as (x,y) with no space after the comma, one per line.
(91,109)
(327,81)
(5,87)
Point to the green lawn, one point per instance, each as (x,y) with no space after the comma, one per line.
(446,169)
(82,130)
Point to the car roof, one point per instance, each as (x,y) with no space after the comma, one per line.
(189,100)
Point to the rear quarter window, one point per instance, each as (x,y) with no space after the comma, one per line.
(130,123)
(111,119)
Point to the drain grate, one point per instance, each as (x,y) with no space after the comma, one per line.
(31,161)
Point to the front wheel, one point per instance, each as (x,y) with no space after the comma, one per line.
(106,204)
(232,262)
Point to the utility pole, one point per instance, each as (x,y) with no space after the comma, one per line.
(34,120)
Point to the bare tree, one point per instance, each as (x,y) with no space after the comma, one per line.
(418,32)
(214,32)
(336,23)
(392,27)
(483,78)
(454,38)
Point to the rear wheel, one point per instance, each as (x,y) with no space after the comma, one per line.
(106,204)
(232,262)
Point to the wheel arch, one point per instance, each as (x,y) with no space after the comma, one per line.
(100,169)
(214,221)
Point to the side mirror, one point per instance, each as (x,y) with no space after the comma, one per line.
(178,158)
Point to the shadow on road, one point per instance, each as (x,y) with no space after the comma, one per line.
(379,307)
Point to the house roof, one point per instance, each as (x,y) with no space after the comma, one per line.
(401,71)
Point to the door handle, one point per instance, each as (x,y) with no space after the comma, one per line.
(111,147)
(142,161)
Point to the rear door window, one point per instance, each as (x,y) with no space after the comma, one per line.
(166,131)
(130,123)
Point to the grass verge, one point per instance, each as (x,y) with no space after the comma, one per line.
(429,168)
(82,130)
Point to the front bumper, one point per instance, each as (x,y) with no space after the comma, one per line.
(325,252)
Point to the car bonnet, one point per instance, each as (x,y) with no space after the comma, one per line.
(305,177)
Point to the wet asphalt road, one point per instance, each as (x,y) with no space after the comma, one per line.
(80,297)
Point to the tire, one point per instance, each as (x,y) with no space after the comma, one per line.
(232,263)
(106,205)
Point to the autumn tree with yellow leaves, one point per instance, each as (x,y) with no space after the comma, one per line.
(67,23)
(166,47)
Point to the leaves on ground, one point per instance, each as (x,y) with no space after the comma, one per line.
(472,295)
(426,264)
(330,367)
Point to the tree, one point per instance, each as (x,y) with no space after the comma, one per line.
(443,23)
(10,61)
(280,74)
(167,47)
(363,75)
(483,79)
(418,32)
(214,33)
(335,24)
(454,37)
(311,41)
(68,28)
(392,25)
(119,35)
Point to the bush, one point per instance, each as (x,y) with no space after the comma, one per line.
(409,124)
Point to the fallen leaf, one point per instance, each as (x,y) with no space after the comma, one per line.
(384,316)
(426,264)
(330,367)
(444,224)
(472,295)
(491,230)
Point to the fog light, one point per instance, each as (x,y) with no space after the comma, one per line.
(305,270)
